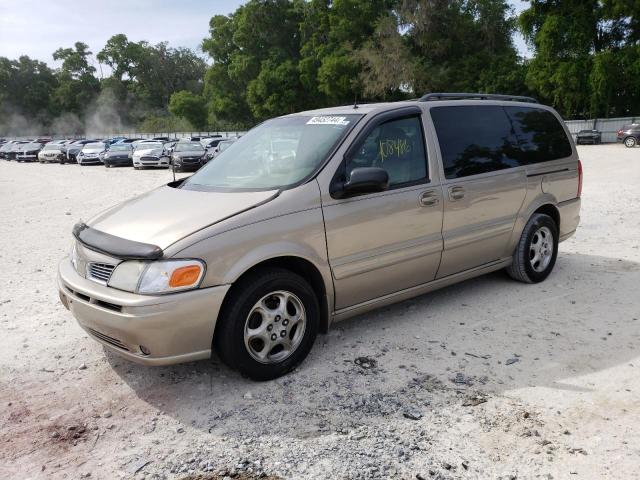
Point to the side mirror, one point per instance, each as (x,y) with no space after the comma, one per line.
(362,180)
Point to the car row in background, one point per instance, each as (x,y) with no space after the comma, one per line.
(184,154)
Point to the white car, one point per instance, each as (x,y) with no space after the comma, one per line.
(52,152)
(150,154)
(92,153)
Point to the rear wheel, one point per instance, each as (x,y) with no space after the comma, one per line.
(630,142)
(268,325)
(536,252)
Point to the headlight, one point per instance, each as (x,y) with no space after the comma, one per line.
(157,277)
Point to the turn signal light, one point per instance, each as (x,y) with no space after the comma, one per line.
(185,276)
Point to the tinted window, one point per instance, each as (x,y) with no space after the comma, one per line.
(540,136)
(474,139)
(398,147)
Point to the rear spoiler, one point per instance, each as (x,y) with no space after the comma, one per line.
(115,246)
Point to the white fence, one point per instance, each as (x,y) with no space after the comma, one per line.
(608,126)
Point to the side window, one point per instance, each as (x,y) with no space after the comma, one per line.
(540,136)
(474,139)
(398,147)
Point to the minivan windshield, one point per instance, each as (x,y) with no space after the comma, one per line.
(276,154)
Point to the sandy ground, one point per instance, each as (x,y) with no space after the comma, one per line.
(486,379)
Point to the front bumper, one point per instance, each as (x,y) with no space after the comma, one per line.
(172,328)
(162,162)
(89,160)
(118,161)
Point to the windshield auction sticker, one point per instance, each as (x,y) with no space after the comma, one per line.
(328,121)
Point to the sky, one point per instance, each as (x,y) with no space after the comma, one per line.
(37,28)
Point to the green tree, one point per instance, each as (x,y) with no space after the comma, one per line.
(259,35)
(189,106)
(443,45)
(26,86)
(586,55)
(77,84)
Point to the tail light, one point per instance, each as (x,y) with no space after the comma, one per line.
(620,132)
(579,178)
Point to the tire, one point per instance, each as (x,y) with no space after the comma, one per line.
(264,291)
(630,142)
(535,242)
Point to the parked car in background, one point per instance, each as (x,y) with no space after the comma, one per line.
(119,154)
(7,147)
(188,156)
(253,256)
(28,152)
(150,154)
(629,135)
(92,153)
(72,150)
(211,142)
(129,140)
(221,147)
(15,149)
(593,137)
(51,152)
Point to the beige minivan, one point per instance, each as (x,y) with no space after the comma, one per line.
(318,216)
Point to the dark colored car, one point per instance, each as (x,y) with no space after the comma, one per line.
(593,137)
(28,152)
(7,147)
(629,135)
(119,155)
(13,152)
(188,156)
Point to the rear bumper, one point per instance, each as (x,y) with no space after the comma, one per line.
(171,328)
(569,217)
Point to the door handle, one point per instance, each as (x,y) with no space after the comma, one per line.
(456,193)
(428,199)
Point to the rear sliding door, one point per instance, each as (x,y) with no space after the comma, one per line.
(483,187)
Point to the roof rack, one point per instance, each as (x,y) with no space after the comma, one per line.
(476,96)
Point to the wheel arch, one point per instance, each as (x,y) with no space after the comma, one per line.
(301,266)
(550,210)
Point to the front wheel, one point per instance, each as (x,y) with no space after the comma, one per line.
(630,142)
(268,325)
(536,252)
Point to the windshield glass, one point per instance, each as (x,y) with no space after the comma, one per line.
(275,154)
(148,146)
(188,147)
(120,148)
(93,146)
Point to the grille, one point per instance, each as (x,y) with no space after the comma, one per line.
(100,272)
(191,159)
(106,338)
(149,159)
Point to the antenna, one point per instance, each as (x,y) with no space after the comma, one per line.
(355,101)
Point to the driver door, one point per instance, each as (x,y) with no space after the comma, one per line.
(384,242)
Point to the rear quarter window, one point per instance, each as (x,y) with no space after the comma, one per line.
(540,135)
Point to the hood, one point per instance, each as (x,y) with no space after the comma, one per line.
(165,215)
(148,151)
